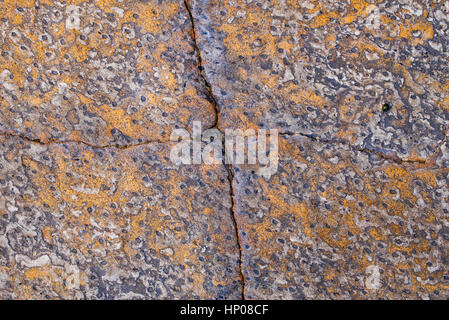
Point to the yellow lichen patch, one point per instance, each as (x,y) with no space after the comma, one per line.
(308,96)
(34,273)
(424,27)
(47,234)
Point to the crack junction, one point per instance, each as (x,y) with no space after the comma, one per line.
(216,126)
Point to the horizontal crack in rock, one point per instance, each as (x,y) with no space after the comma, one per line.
(389,157)
(52,141)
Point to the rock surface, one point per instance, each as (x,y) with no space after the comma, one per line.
(106,73)
(82,222)
(359,93)
(337,223)
(325,68)
(92,207)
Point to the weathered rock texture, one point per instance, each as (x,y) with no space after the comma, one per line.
(89,208)
(92,207)
(102,72)
(123,223)
(337,223)
(358,207)
(325,68)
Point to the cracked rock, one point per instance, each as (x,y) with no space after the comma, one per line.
(109,72)
(336,223)
(326,68)
(92,207)
(79,222)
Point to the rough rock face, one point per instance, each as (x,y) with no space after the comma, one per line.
(82,222)
(91,206)
(106,73)
(84,214)
(358,207)
(325,68)
(337,223)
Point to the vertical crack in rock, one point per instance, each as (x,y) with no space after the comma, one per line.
(200,65)
(389,157)
(228,166)
(234,218)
